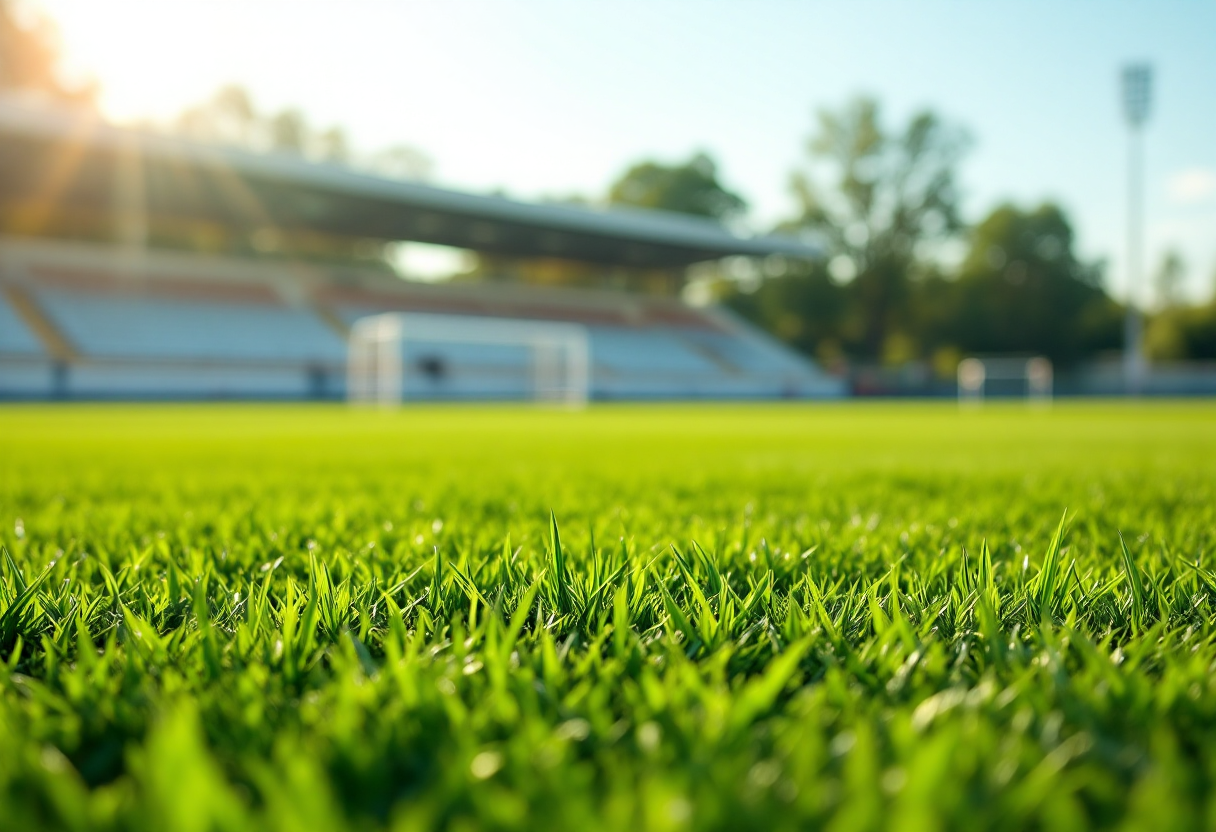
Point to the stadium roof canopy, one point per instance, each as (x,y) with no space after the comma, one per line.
(52,160)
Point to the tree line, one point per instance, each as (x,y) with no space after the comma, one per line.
(905,278)
(232,117)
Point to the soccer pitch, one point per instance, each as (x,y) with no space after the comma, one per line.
(848,616)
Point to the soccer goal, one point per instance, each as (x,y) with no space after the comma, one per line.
(1031,377)
(397,357)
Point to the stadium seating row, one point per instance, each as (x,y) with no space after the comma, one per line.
(81,321)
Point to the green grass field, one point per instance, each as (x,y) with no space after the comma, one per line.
(850,617)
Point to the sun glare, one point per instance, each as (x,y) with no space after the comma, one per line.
(150,59)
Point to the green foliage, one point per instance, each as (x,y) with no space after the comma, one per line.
(1169,279)
(1020,289)
(230,116)
(769,617)
(1183,332)
(890,191)
(885,200)
(689,188)
(804,308)
(1023,290)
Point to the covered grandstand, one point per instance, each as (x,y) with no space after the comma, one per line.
(123,317)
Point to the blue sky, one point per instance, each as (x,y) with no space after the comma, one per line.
(540,97)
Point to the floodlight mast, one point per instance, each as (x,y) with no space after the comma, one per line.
(1137,100)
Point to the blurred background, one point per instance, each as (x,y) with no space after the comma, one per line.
(664,200)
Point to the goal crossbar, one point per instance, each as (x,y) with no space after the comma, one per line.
(377,372)
(975,373)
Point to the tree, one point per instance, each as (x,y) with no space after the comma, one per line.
(804,307)
(332,146)
(288,131)
(1022,289)
(402,162)
(1169,278)
(29,57)
(229,116)
(1179,331)
(888,194)
(690,188)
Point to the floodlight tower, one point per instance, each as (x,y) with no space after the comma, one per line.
(1137,96)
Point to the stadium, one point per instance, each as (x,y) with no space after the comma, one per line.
(121,319)
(777,456)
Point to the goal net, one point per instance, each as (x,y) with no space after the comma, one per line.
(979,378)
(398,357)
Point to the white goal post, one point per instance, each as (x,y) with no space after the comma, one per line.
(378,372)
(975,373)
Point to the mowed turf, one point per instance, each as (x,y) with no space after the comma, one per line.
(844,616)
